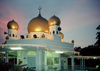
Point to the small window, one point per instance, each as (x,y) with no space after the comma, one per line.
(10,35)
(13,35)
(16,35)
(49,60)
(35,36)
(57,32)
(50,32)
(53,32)
(43,36)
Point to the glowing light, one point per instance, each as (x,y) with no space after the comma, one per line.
(38,29)
(13,27)
(59,52)
(54,22)
(16,48)
(94,57)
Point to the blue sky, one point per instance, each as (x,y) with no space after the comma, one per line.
(79,18)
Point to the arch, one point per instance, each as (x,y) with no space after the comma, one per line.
(10,35)
(35,36)
(57,32)
(13,35)
(31,53)
(43,36)
(53,32)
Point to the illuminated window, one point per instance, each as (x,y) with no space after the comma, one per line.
(49,60)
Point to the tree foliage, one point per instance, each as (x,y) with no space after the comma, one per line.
(91,50)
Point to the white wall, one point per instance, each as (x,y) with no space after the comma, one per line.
(65,59)
(12,31)
(53,28)
(39,34)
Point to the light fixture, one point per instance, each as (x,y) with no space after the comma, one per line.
(16,48)
(59,52)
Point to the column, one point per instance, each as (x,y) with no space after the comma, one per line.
(2,56)
(6,56)
(84,64)
(37,60)
(81,63)
(72,62)
(67,62)
(40,59)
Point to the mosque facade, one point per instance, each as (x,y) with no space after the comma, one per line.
(43,47)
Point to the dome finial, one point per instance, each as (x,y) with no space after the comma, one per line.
(39,9)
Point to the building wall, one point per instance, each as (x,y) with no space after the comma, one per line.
(52,55)
(65,62)
(52,44)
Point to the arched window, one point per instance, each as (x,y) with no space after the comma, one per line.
(53,32)
(10,35)
(57,32)
(35,36)
(43,36)
(13,35)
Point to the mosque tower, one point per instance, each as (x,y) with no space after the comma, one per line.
(12,30)
(54,25)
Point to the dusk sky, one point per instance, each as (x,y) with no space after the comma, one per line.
(79,18)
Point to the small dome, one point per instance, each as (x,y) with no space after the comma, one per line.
(12,25)
(38,24)
(54,21)
(61,34)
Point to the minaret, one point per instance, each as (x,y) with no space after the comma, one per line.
(54,25)
(12,30)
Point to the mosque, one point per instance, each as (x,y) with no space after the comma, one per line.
(43,47)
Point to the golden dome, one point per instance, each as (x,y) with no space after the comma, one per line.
(38,24)
(54,21)
(12,25)
(61,34)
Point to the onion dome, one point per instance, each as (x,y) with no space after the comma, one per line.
(12,25)
(61,34)
(38,24)
(54,21)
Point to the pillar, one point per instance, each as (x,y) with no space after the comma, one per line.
(2,56)
(6,57)
(84,64)
(72,62)
(67,63)
(37,60)
(81,63)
